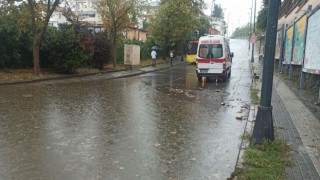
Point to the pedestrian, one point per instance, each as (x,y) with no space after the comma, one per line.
(171,56)
(154,57)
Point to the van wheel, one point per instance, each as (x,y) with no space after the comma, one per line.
(224,77)
(229,74)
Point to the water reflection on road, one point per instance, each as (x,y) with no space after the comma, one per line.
(159,125)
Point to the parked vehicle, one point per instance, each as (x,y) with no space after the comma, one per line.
(213,58)
(192,51)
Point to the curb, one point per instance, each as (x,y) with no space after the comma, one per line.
(134,73)
(245,143)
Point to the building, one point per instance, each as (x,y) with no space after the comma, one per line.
(57,18)
(136,33)
(85,12)
(292,9)
(218,26)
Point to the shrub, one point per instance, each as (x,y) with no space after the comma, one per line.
(61,50)
(145,48)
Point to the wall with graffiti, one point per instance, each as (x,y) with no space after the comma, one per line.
(312,58)
(299,35)
(288,45)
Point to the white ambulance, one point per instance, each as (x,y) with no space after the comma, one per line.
(213,57)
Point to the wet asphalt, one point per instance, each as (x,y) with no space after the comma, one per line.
(160,125)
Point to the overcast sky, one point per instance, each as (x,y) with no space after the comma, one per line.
(236,11)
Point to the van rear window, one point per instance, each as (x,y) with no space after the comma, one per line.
(210,51)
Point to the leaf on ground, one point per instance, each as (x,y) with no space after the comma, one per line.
(239,117)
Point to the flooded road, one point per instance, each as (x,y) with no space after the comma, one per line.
(159,125)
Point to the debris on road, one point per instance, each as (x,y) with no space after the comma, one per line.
(239,117)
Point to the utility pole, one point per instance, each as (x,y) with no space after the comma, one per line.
(263,127)
(250,25)
(228,25)
(254,28)
(212,8)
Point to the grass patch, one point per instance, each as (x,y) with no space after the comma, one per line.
(20,75)
(246,136)
(255,96)
(148,62)
(24,75)
(265,161)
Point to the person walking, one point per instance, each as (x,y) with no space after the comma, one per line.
(154,57)
(171,56)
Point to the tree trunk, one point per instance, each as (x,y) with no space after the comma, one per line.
(113,50)
(36,62)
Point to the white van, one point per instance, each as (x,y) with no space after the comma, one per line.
(213,57)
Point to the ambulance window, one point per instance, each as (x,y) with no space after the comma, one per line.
(203,50)
(217,50)
(210,51)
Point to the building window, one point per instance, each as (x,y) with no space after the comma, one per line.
(87,14)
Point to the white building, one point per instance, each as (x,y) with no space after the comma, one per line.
(85,10)
(220,26)
(57,18)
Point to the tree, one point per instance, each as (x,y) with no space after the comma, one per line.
(203,25)
(217,12)
(39,14)
(174,21)
(117,16)
(14,46)
(242,32)
(262,16)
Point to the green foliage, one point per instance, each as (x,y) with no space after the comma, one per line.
(242,32)
(174,21)
(203,25)
(15,47)
(262,17)
(145,48)
(265,161)
(62,51)
(255,96)
(217,12)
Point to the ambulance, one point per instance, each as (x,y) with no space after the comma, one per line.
(213,58)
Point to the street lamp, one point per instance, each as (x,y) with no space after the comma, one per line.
(250,24)
(263,127)
(228,24)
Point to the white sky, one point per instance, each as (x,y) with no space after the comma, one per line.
(236,11)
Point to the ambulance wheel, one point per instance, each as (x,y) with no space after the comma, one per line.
(224,77)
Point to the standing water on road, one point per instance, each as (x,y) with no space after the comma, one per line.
(160,125)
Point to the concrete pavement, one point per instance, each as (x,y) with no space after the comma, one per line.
(296,122)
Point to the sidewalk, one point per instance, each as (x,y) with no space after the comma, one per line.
(295,124)
(109,74)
